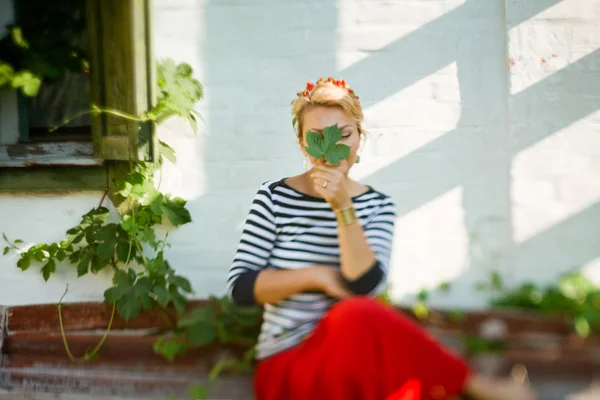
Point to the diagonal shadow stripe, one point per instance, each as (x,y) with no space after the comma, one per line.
(552,104)
(573,233)
(452,159)
(519,11)
(419,60)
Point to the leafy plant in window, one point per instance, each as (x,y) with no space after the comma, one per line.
(44,45)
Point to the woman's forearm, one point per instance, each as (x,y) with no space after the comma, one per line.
(356,256)
(275,285)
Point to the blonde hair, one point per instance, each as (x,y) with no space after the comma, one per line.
(326,94)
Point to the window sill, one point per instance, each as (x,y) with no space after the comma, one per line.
(52,154)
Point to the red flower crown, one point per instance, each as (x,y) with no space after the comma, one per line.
(337,82)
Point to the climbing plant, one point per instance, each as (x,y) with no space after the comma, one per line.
(131,248)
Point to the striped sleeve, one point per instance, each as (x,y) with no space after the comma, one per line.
(379,233)
(254,249)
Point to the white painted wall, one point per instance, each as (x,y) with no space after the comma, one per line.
(490,153)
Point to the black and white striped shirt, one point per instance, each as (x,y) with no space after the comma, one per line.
(286,229)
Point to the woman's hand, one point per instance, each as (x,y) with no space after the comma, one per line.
(331,182)
(329,280)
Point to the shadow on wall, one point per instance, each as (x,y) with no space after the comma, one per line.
(255,85)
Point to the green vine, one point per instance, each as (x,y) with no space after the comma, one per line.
(130,247)
(142,277)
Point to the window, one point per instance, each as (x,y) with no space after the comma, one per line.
(102,56)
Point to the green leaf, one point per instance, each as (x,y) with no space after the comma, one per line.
(98,264)
(123,251)
(18,241)
(315,144)
(337,153)
(201,334)
(61,255)
(167,151)
(121,278)
(193,123)
(169,348)
(39,255)
(176,212)
(178,301)
(48,269)
(6,250)
(83,266)
(129,306)
(106,250)
(143,286)
(162,295)
(27,82)
(326,145)
(24,262)
(75,257)
(17,37)
(114,294)
(53,249)
(181,282)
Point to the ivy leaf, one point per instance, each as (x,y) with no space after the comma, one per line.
(53,249)
(24,262)
(123,251)
(114,294)
(316,145)
(121,277)
(162,295)
(178,300)
(201,334)
(106,250)
(337,153)
(83,266)
(181,282)
(326,145)
(48,269)
(176,212)
(129,306)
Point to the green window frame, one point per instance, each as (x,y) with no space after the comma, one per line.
(123,77)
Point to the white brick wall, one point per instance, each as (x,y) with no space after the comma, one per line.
(479,157)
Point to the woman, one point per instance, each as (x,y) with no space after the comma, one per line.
(314,252)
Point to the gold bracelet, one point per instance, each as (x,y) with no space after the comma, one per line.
(346,216)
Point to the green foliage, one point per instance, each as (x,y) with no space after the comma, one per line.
(130,248)
(573,296)
(218,323)
(44,47)
(178,91)
(326,145)
(477,345)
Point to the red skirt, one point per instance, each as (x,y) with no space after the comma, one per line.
(363,350)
